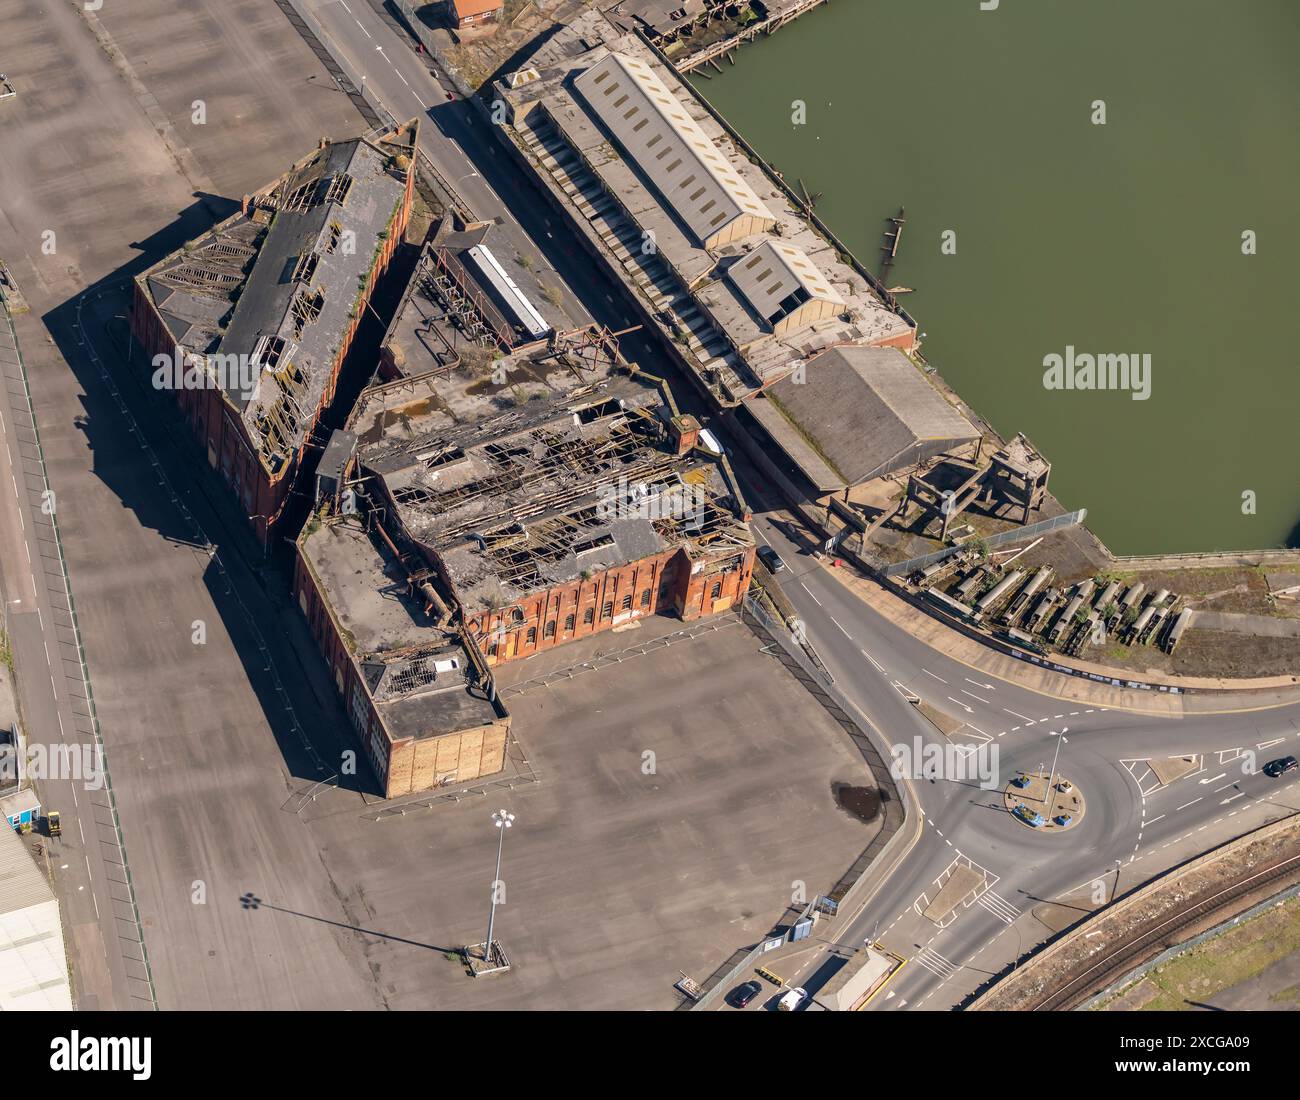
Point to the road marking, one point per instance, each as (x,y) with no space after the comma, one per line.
(877,664)
(998,906)
(929,673)
(1024,717)
(968,710)
(1214,779)
(1155,819)
(842,630)
(935,963)
(809,591)
(1233,798)
(363,29)
(987,687)
(1184,806)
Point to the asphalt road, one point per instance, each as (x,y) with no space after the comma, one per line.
(1133,827)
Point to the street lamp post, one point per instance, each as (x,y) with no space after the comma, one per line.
(502,819)
(1051,779)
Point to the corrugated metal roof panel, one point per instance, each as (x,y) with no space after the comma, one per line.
(21,882)
(669,146)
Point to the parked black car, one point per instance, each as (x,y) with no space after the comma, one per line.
(743,994)
(771,559)
(1281,766)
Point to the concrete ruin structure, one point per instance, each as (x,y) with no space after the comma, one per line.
(249,324)
(1014,478)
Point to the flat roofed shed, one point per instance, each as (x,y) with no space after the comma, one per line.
(658,134)
(859,414)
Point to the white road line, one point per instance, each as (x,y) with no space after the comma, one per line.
(929,673)
(1233,798)
(878,666)
(842,630)
(998,906)
(809,591)
(1214,779)
(1023,717)
(363,29)
(935,963)
(1184,806)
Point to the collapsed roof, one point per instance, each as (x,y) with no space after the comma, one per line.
(545,467)
(268,297)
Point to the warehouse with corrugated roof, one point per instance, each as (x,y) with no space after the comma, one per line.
(784,287)
(696,181)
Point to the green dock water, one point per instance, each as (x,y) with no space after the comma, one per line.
(1116,238)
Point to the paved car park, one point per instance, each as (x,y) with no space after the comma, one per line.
(618,877)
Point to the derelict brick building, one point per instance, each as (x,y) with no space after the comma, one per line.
(257,316)
(556,494)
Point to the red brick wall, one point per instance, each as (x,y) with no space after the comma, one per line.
(660,584)
(375,746)
(904,340)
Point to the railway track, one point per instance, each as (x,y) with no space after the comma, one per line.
(1138,948)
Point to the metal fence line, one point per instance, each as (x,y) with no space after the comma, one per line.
(1069,519)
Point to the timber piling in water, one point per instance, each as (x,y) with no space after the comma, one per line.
(892,238)
(780,12)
